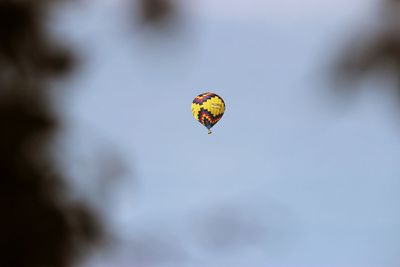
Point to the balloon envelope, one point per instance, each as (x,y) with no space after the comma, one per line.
(208,108)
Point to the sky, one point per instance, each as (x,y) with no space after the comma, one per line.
(291,176)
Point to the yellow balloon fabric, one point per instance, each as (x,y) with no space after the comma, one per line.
(208,108)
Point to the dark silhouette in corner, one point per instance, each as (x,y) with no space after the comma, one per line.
(376,50)
(38,226)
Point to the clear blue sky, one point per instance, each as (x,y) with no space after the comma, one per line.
(288,179)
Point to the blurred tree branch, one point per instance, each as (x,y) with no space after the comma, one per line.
(378,50)
(38,226)
(156,10)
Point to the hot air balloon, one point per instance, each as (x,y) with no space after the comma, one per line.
(208,108)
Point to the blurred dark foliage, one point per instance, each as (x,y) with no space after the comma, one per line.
(378,49)
(38,226)
(24,49)
(156,10)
